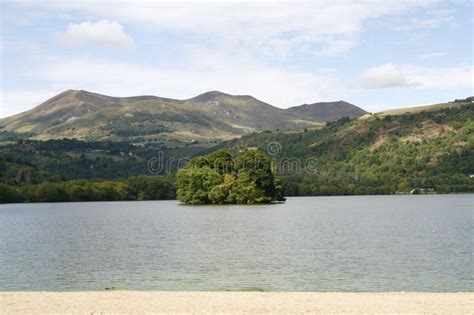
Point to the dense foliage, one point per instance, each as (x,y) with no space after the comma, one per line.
(426,151)
(32,161)
(134,188)
(219,179)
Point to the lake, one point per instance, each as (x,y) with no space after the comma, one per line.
(360,243)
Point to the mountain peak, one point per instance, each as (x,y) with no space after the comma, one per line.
(209,96)
(75,94)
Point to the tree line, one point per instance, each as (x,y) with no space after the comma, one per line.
(134,188)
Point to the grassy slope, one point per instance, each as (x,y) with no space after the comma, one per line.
(419,109)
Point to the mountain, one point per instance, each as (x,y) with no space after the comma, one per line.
(91,116)
(328,111)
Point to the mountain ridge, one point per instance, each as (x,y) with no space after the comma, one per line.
(211,115)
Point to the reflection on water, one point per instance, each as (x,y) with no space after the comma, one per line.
(365,243)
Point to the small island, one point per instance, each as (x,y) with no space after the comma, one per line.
(219,178)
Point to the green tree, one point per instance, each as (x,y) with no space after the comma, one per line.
(404,186)
(9,194)
(195,183)
(215,178)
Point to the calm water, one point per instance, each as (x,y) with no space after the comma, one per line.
(371,243)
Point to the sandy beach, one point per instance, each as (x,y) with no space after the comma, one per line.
(234,302)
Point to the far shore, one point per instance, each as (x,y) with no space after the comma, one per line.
(226,204)
(95,302)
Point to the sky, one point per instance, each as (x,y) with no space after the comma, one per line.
(377,54)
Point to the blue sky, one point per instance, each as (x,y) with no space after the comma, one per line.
(375,54)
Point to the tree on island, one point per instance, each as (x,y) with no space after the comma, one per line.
(219,179)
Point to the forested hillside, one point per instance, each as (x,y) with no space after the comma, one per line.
(73,170)
(431,150)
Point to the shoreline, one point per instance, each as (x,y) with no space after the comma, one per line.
(217,205)
(21,302)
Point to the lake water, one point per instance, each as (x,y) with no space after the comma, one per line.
(363,243)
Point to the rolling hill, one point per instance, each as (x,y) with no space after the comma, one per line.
(328,111)
(90,116)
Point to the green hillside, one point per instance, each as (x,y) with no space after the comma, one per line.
(379,154)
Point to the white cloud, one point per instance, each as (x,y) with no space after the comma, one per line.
(100,33)
(384,76)
(391,75)
(272,27)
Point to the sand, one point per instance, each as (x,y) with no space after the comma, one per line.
(233,302)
